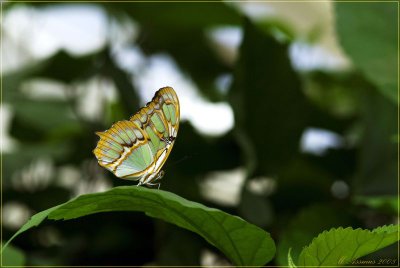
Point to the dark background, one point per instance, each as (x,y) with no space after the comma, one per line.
(344,175)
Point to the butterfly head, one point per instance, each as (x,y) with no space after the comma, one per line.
(169,140)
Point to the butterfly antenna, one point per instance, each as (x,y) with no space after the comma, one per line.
(186,157)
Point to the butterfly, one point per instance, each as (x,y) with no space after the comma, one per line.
(136,149)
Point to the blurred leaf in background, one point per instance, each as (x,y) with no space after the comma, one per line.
(371,46)
(266,92)
(13,257)
(288,115)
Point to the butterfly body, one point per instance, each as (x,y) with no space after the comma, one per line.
(137,149)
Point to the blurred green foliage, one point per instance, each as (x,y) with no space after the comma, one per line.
(274,104)
(13,257)
(373,46)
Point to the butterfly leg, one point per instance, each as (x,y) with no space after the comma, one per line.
(158,178)
(154,184)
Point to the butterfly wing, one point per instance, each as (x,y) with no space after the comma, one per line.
(137,149)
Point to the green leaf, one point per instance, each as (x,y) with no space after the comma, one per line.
(12,256)
(386,229)
(306,225)
(35,220)
(263,96)
(370,40)
(382,203)
(242,242)
(290,260)
(342,246)
(378,156)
